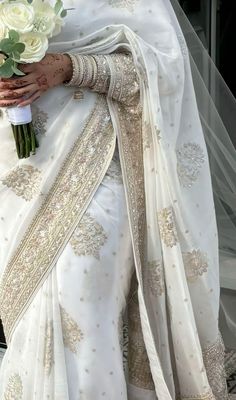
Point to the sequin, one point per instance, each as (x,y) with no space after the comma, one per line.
(124,84)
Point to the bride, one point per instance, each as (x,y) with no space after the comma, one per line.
(112,224)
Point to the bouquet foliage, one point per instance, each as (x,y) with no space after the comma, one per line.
(25,29)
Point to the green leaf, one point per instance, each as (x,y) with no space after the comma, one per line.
(19,47)
(14,36)
(17,71)
(6,69)
(16,56)
(6,45)
(64,13)
(58,6)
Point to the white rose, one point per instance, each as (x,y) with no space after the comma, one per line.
(44,18)
(3,31)
(2,59)
(17,16)
(59,23)
(36,46)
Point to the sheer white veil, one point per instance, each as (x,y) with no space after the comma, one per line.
(217,109)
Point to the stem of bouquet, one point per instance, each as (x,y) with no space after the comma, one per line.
(25,139)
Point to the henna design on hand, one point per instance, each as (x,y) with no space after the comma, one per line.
(42,82)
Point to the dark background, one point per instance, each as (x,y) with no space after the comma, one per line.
(199,12)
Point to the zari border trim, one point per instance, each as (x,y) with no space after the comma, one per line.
(207,396)
(128,123)
(54,223)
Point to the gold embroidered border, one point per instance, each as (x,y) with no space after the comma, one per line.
(131,156)
(79,177)
(207,396)
(214,361)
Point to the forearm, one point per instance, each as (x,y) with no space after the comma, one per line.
(113,75)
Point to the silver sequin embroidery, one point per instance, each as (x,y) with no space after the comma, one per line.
(190,158)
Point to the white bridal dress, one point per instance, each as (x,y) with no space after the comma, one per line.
(109,262)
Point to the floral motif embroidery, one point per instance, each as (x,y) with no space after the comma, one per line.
(48,358)
(147,133)
(129,4)
(190,158)
(195,263)
(155,278)
(14,390)
(72,334)
(88,238)
(40,119)
(213,357)
(167,226)
(24,181)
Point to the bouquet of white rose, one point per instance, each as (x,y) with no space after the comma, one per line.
(25,27)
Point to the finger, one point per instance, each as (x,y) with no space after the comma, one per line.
(17,93)
(9,103)
(27,68)
(30,99)
(14,83)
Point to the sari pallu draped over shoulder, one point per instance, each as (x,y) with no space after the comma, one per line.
(168,190)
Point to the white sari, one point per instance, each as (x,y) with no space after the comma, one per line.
(47,272)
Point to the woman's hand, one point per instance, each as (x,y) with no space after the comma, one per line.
(52,71)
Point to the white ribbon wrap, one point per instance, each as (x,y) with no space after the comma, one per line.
(19,115)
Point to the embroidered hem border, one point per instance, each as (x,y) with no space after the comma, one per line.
(79,177)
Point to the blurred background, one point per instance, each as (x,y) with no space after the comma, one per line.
(214,22)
